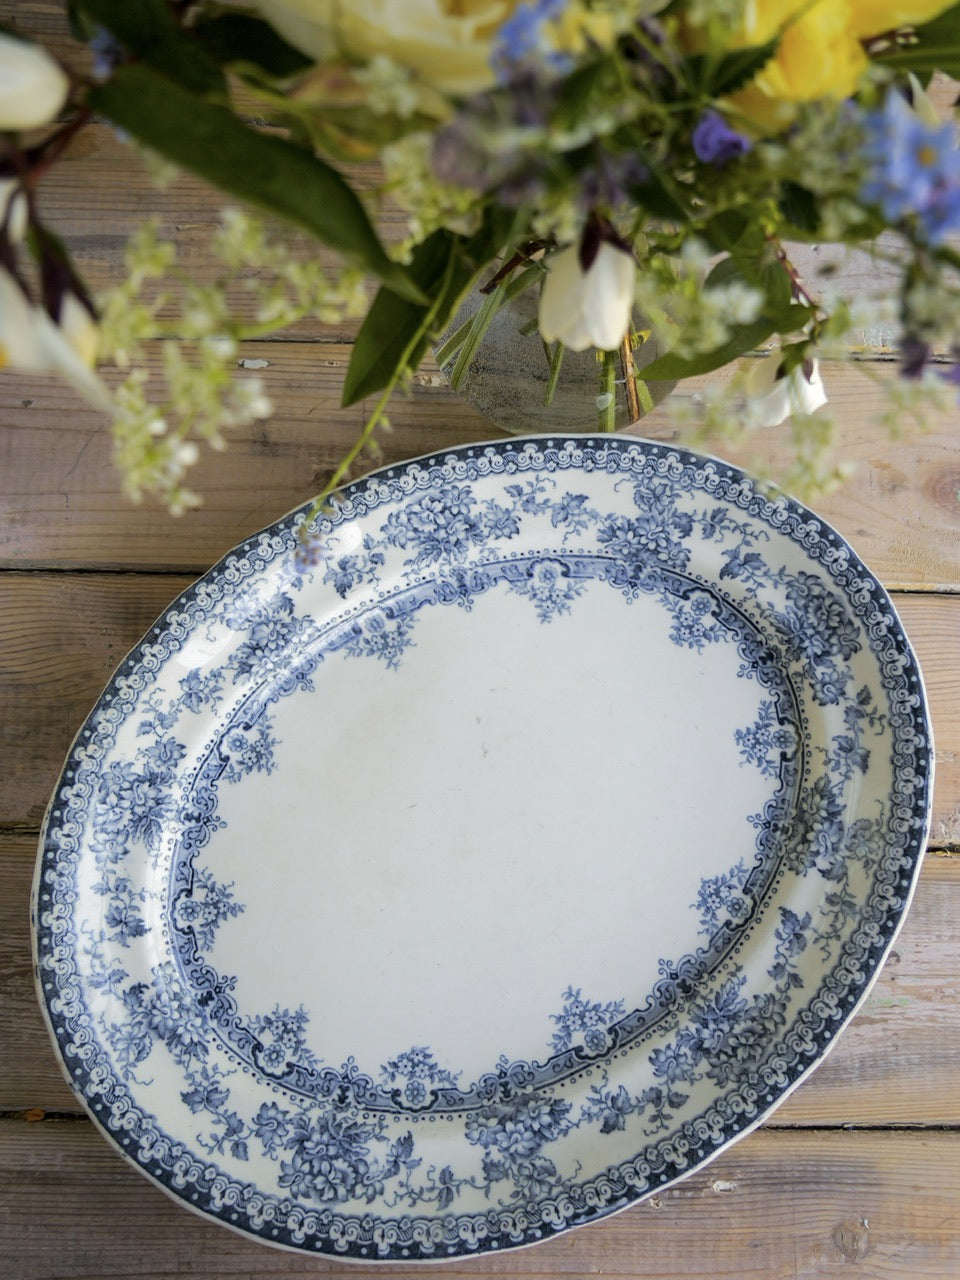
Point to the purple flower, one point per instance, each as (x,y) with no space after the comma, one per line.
(714,142)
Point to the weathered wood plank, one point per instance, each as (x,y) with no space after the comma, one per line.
(101,174)
(895,1063)
(777,1206)
(933,626)
(61,637)
(102,192)
(906,1037)
(60,502)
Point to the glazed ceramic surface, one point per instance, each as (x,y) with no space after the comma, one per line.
(495,869)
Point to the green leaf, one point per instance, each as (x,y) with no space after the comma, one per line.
(392,322)
(239,38)
(657,196)
(728,269)
(744,338)
(800,208)
(935,48)
(718,76)
(944,253)
(148,30)
(594,82)
(265,170)
(738,68)
(777,286)
(734,232)
(759,273)
(82,28)
(453,342)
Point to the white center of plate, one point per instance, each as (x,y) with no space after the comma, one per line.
(444,848)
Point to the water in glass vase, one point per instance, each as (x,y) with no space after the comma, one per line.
(511,376)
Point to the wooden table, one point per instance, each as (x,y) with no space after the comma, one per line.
(857,1174)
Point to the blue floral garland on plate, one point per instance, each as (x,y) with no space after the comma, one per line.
(344,1140)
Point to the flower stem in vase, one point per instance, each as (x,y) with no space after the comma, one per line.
(493,356)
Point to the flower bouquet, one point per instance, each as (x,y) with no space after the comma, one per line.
(620,158)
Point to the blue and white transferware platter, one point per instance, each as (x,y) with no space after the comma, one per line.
(497,869)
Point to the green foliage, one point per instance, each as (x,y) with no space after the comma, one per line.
(715,76)
(148,30)
(743,338)
(239,39)
(443,267)
(583,137)
(799,209)
(935,46)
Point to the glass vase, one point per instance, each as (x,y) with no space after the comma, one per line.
(509,374)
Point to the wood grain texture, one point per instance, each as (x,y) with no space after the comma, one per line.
(60,502)
(62,636)
(102,173)
(60,640)
(776,1206)
(808,1195)
(896,1063)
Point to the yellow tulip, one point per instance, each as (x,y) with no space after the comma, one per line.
(818,56)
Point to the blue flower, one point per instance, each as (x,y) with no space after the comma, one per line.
(500,522)
(714,142)
(721,899)
(913,169)
(587,1019)
(518,1130)
(124,919)
(677,1061)
(815,624)
(206,1096)
(439,526)
(272,1058)
(270,1126)
(132,806)
(165,752)
(521,38)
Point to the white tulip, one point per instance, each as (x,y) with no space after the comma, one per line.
(33,87)
(771,400)
(32,343)
(13,209)
(80,329)
(591,308)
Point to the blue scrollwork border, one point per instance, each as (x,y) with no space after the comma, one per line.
(202,1184)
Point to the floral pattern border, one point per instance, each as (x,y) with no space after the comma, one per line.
(742,1096)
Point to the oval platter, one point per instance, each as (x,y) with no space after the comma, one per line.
(491,867)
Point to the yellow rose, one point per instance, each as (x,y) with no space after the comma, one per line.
(445,43)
